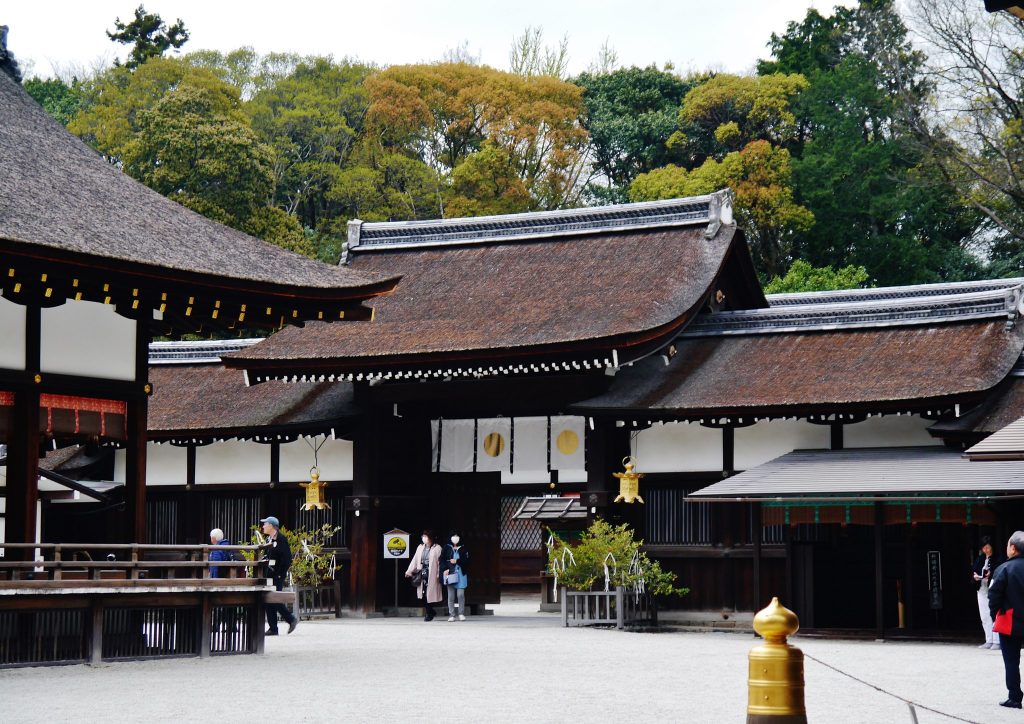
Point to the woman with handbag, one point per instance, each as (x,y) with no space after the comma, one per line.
(425,566)
(453,563)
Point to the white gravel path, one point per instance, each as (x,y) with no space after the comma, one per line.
(514,666)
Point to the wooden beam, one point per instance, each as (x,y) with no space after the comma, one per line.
(755,512)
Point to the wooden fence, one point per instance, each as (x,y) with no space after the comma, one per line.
(619,608)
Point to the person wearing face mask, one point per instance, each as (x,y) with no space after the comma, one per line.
(426,564)
(453,570)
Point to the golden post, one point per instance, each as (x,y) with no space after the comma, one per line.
(775,683)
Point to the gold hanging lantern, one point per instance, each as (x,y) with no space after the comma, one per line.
(315,491)
(629,482)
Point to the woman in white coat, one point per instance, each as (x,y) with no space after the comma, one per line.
(426,564)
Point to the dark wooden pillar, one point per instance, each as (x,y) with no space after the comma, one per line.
(23,446)
(879,579)
(23,472)
(364,538)
(136,427)
(135,471)
(755,514)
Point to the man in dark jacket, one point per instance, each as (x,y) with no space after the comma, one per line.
(1006,595)
(279,556)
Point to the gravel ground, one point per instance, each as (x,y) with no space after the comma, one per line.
(514,666)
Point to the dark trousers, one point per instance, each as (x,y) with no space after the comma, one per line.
(276,609)
(1010,646)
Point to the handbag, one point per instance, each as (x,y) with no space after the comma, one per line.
(1004,622)
(416,579)
(452,579)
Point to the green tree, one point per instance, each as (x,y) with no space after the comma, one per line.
(726,112)
(61,100)
(630,115)
(148,35)
(876,197)
(313,117)
(182,131)
(802,277)
(760,175)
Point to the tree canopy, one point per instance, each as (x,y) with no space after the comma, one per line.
(148,35)
(848,149)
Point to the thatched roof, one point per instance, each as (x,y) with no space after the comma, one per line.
(579,289)
(61,203)
(195,397)
(883,355)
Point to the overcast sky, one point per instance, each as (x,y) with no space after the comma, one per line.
(726,34)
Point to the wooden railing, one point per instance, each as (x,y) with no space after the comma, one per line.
(151,601)
(127,561)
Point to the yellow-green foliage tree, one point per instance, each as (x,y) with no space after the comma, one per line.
(182,131)
(527,128)
(727,112)
(761,177)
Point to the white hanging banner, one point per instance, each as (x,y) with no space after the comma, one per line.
(493,444)
(567,443)
(456,446)
(434,450)
(531,453)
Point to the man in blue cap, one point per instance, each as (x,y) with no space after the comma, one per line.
(279,557)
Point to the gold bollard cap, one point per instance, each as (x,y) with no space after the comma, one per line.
(776,622)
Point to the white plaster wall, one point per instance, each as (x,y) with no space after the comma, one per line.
(889,431)
(166,464)
(335,459)
(768,439)
(525,477)
(233,461)
(12,335)
(119,466)
(88,339)
(678,447)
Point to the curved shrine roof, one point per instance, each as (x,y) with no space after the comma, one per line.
(827,357)
(500,293)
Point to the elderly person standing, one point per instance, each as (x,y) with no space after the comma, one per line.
(217,539)
(426,563)
(1006,604)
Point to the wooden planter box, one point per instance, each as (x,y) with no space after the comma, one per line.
(322,600)
(618,608)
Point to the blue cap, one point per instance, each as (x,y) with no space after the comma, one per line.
(272,520)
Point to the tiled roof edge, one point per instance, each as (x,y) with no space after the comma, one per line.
(713,209)
(999,303)
(195,352)
(914,290)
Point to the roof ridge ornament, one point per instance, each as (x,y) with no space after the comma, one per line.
(719,212)
(714,209)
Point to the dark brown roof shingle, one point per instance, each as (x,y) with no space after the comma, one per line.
(512,299)
(208,399)
(815,370)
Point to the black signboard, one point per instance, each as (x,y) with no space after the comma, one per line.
(935,579)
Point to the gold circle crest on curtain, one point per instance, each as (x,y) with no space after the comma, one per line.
(494,444)
(567,441)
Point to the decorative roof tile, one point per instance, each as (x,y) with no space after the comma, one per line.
(710,209)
